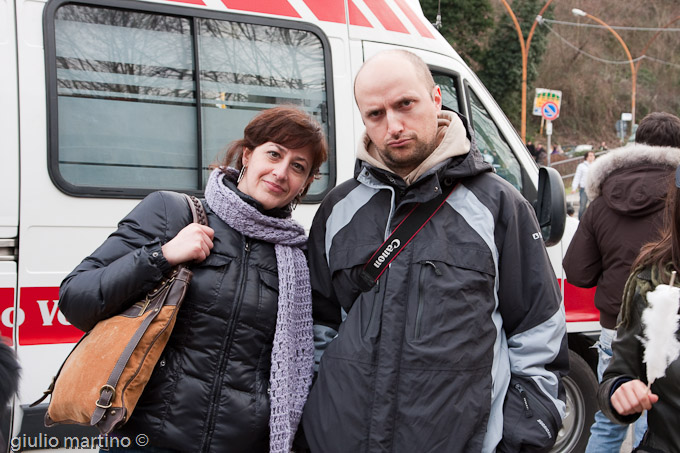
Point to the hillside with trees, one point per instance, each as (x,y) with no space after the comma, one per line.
(574,55)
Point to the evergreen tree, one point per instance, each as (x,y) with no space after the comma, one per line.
(465,24)
(502,60)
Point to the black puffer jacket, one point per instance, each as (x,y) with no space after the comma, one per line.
(627,189)
(627,364)
(209,389)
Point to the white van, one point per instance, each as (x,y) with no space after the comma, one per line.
(104,101)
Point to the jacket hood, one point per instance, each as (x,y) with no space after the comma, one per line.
(633,179)
(456,153)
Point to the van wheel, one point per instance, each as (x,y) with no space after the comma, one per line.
(581,388)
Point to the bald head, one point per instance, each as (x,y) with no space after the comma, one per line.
(399,105)
(399,56)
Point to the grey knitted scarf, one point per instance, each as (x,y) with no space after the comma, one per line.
(293,349)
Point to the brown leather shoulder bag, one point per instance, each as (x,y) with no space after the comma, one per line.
(103,377)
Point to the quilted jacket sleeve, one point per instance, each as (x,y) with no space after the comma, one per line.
(126,266)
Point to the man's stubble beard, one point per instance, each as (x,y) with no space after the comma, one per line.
(405,164)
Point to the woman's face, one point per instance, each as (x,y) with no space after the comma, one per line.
(275,175)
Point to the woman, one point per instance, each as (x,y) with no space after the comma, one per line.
(248,309)
(623,394)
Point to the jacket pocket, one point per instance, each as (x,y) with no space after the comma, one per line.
(530,420)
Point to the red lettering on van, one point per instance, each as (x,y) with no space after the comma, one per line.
(7,314)
(43,323)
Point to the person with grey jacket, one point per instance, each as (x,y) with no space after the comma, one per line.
(441,352)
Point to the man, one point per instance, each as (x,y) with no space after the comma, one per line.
(579,182)
(423,359)
(627,188)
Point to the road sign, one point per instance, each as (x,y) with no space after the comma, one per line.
(542,96)
(550,111)
(626,117)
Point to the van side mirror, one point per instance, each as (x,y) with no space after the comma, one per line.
(550,206)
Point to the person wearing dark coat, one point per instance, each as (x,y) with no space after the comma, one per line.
(627,189)
(238,366)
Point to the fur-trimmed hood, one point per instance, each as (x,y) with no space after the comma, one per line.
(633,179)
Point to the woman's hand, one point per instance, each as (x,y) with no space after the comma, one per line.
(633,397)
(193,243)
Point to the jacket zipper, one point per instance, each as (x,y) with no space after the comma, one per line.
(421,289)
(224,351)
(528,413)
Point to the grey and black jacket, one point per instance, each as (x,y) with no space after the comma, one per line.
(422,362)
(209,390)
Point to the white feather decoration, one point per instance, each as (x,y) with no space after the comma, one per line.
(660,323)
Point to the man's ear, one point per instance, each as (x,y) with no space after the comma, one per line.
(437,96)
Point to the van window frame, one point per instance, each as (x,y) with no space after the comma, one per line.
(528,188)
(462,95)
(193,15)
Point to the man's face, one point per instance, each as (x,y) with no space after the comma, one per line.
(399,112)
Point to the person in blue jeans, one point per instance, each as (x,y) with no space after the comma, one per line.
(605,435)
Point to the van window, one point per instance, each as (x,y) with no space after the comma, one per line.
(490,142)
(125,119)
(449,88)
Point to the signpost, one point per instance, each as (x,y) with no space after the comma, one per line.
(550,111)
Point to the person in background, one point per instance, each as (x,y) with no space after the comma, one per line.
(627,187)
(623,394)
(603,146)
(580,180)
(422,359)
(9,382)
(237,369)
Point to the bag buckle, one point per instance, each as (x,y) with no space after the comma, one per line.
(113,394)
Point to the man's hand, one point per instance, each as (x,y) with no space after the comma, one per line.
(193,243)
(633,397)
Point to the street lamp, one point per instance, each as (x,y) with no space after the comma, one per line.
(524,48)
(581,13)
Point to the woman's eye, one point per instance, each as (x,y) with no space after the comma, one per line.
(273,153)
(299,167)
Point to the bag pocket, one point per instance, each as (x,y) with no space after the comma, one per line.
(530,420)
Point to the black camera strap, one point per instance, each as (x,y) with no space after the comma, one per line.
(407,229)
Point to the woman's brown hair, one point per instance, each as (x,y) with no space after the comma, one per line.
(286,126)
(666,249)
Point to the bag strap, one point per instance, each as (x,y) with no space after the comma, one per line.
(402,235)
(108,390)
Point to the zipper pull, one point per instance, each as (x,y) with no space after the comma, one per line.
(528,413)
(436,269)
(247,246)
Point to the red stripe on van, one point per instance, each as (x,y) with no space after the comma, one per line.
(415,20)
(7,314)
(278,7)
(328,11)
(355,16)
(193,2)
(579,303)
(386,16)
